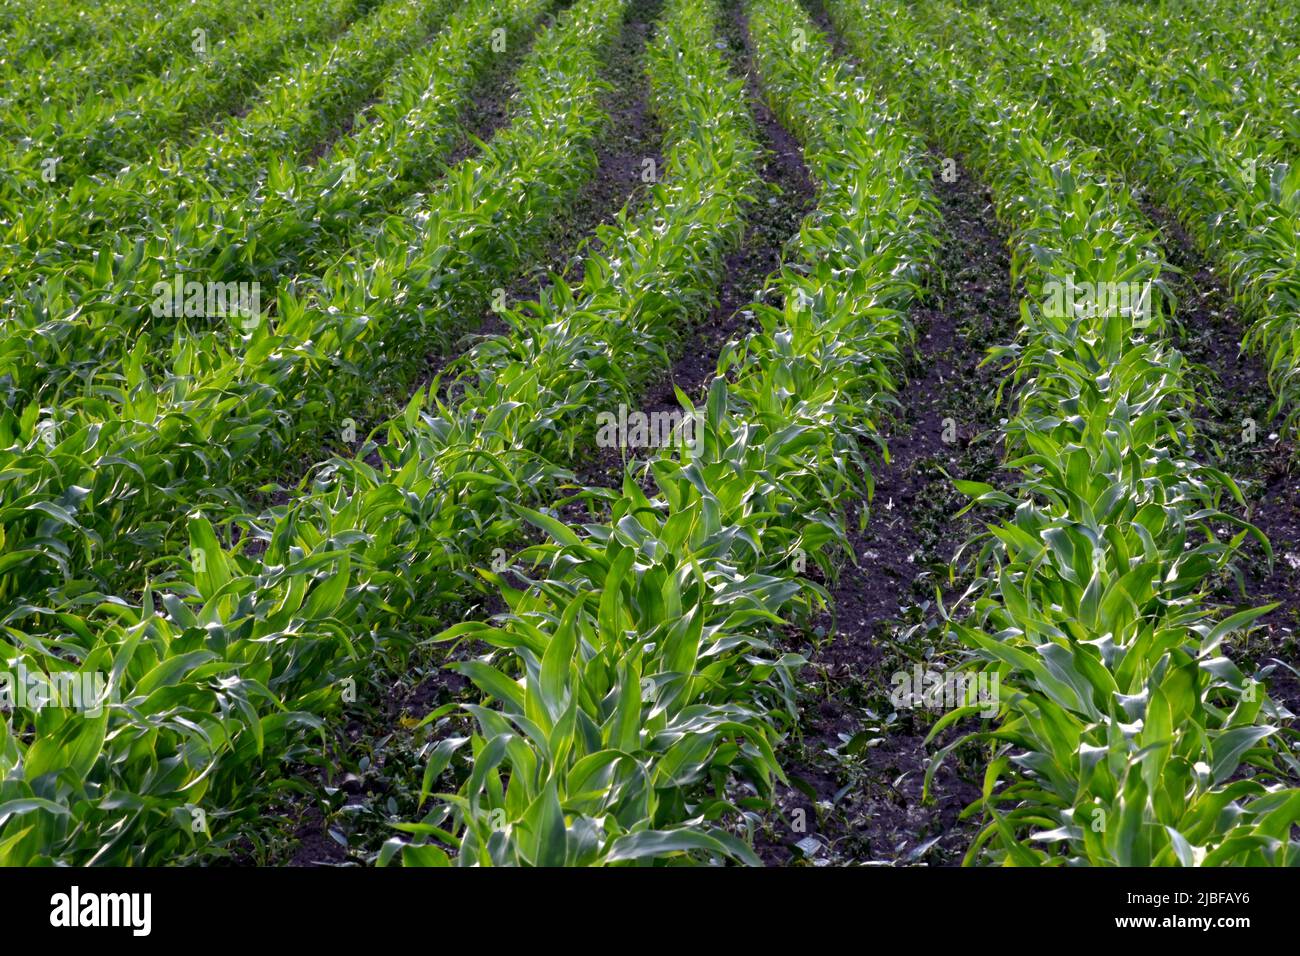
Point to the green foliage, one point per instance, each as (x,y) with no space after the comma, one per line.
(1196,106)
(635,688)
(277,612)
(51,70)
(140,448)
(639,679)
(1125,736)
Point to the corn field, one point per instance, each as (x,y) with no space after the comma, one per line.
(650,432)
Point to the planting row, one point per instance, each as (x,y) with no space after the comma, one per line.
(637,684)
(235,208)
(127,123)
(1210,135)
(39,30)
(1125,735)
(320,87)
(139,39)
(211,687)
(101,479)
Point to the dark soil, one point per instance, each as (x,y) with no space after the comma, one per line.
(316,847)
(857,761)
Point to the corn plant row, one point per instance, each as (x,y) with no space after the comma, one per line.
(502,421)
(637,677)
(183,200)
(136,42)
(196,712)
(1228,174)
(127,124)
(1234,186)
(1235,60)
(98,492)
(35,31)
(1228,63)
(302,107)
(378,557)
(27,28)
(1125,735)
(65,332)
(1136,56)
(296,109)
